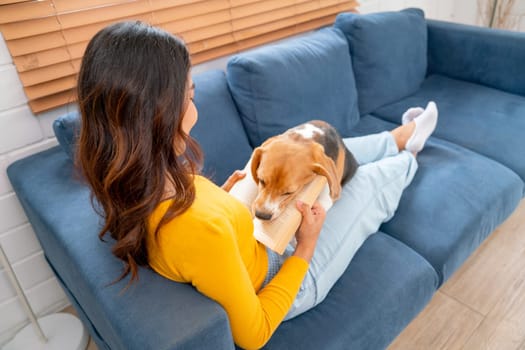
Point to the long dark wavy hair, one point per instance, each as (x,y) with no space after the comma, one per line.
(132,93)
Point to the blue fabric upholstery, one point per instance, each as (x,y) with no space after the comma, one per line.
(383,288)
(279,86)
(219,129)
(67,129)
(484,56)
(388,49)
(473,116)
(456,199)
(154,313)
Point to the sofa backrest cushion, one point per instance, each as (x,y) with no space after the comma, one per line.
(284,84)
(389,54)
(219,130)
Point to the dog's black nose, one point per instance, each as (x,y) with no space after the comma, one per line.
(262,215)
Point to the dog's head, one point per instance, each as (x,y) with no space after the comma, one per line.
(282,166)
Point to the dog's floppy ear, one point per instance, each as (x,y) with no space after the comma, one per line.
(256,158)
(324,165)
(255,161)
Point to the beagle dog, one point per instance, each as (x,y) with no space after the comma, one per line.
(285,163)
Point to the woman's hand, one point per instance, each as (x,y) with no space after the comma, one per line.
(232,180)
(309,230)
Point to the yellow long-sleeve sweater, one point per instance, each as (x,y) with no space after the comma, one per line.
(211,246)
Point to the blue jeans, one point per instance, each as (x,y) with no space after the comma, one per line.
(368,200)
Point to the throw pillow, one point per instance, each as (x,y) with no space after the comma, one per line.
(281,85)
(389,54)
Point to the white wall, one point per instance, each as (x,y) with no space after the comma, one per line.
(464,11)
(435,9)
(22,133)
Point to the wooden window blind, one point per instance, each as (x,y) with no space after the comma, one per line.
(47,38)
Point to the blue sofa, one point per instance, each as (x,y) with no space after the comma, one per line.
(360,74)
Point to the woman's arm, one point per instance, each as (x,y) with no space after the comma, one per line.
(215,267)
(233,179)
(309,230)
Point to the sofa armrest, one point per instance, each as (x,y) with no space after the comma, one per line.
(153,313)
(490,57)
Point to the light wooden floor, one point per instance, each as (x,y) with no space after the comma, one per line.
(482,306)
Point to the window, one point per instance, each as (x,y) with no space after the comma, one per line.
(47,38)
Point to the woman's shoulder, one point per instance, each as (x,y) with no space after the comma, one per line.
(214,214)
(205,184)
(213,207)
(215,200)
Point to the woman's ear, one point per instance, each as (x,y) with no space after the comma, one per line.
(255,161)
(325,166)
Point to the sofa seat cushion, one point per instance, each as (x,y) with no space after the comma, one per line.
(153,313)
(282,85)
(219,129)
(456,199)
(384,287)
(389,54)
(488,121)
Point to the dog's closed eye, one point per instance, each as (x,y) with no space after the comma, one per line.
(289,191)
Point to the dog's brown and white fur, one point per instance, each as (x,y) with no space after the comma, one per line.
(285,163)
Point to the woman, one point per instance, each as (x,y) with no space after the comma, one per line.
(136,99)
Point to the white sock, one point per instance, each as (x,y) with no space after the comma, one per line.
(425,125)
(410,114)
